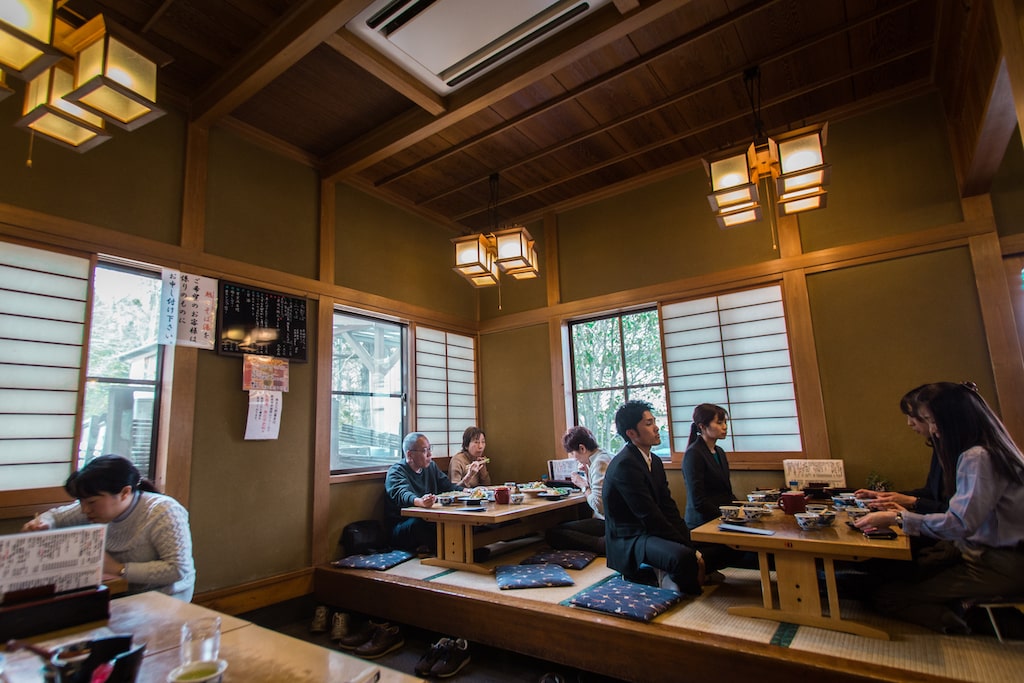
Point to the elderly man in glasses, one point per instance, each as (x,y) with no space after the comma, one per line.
(415,482)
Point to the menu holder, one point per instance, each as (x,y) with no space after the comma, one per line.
(34,614)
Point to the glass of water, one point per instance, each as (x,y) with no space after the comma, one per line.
(200,640)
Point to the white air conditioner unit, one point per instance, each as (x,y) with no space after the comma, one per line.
(448,43)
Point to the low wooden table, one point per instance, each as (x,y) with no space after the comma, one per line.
(253,654)
(456,539)
(796,576)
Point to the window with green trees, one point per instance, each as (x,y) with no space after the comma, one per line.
(616,359)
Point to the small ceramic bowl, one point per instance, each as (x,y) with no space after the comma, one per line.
(857,513)
(729,511)
(808,521)
(826,518)
(816,507)
(516,498)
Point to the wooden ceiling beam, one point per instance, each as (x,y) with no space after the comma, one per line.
(295,36)
(907,51)
(604,26)
(608,126)
(619,72)
(356,50)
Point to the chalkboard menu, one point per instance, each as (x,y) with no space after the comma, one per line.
(251,320)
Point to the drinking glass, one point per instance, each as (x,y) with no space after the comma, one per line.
(200,640)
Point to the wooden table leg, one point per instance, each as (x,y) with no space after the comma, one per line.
(799,601)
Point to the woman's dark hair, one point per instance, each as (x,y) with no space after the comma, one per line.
(909,402)
(106,474)
(908,406)
(579,436)
(628,416)
(965,420)
(468,436)
(704,414)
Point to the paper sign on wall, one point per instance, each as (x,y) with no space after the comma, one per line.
(188,315)
(264,421)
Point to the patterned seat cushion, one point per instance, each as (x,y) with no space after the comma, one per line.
(511,576)
(379,561)
(622,598)
(570,559)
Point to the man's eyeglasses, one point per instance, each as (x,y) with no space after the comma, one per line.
(421,450)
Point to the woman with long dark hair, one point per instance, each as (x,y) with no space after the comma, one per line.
(980,549)
(148,538)
(705,467)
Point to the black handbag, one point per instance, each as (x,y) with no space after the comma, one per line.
(364,537)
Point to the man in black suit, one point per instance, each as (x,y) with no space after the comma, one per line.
(642,521)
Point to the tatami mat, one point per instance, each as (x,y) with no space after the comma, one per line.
(975,658)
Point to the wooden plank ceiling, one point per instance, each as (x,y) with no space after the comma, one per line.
(634,91)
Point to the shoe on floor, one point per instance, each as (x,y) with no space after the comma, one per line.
(452,660)
(714,578)
(339,625)
(319,623)
(436,651)
(386,638)
(357,635)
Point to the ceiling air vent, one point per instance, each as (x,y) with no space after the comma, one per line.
(447,43)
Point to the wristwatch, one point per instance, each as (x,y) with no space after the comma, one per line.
(899,519)
(123,571)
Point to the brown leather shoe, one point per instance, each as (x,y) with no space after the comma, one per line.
(386,638)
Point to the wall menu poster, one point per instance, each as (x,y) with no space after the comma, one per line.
(257,321)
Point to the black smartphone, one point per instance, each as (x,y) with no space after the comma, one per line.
(888,534)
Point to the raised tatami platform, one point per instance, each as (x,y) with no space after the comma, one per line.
(695,640)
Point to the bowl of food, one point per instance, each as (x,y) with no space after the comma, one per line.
(470,501)
(826,518)
(857,513)
(808,521)
(516,498)
(446,500)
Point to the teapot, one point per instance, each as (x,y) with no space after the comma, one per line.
(793,502)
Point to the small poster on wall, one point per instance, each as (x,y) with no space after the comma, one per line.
(264,421)
(264,372)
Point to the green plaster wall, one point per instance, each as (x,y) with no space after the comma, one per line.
(250,501)
(261,208)
(882,329)
(384,250)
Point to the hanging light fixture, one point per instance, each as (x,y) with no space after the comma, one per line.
(47,112)
(115,74)
(5,90)
(479,257)
(794,160)
(26,32)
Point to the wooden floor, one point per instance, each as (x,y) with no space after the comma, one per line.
(695,640)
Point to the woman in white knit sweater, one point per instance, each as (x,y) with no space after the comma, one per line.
(148,538)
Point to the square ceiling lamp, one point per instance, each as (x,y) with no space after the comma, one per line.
(5,90)
(474,260)
(516,253)
(803,172)
(47,112)
(115,74)
(26,31)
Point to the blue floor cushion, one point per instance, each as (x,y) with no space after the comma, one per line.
(375,561)
(623,598)
(512,576)
(570,559)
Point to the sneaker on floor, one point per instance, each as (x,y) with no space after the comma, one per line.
(452,660)
(429,659)
(319,623)
(386,638)
(357,635)
(339,625)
